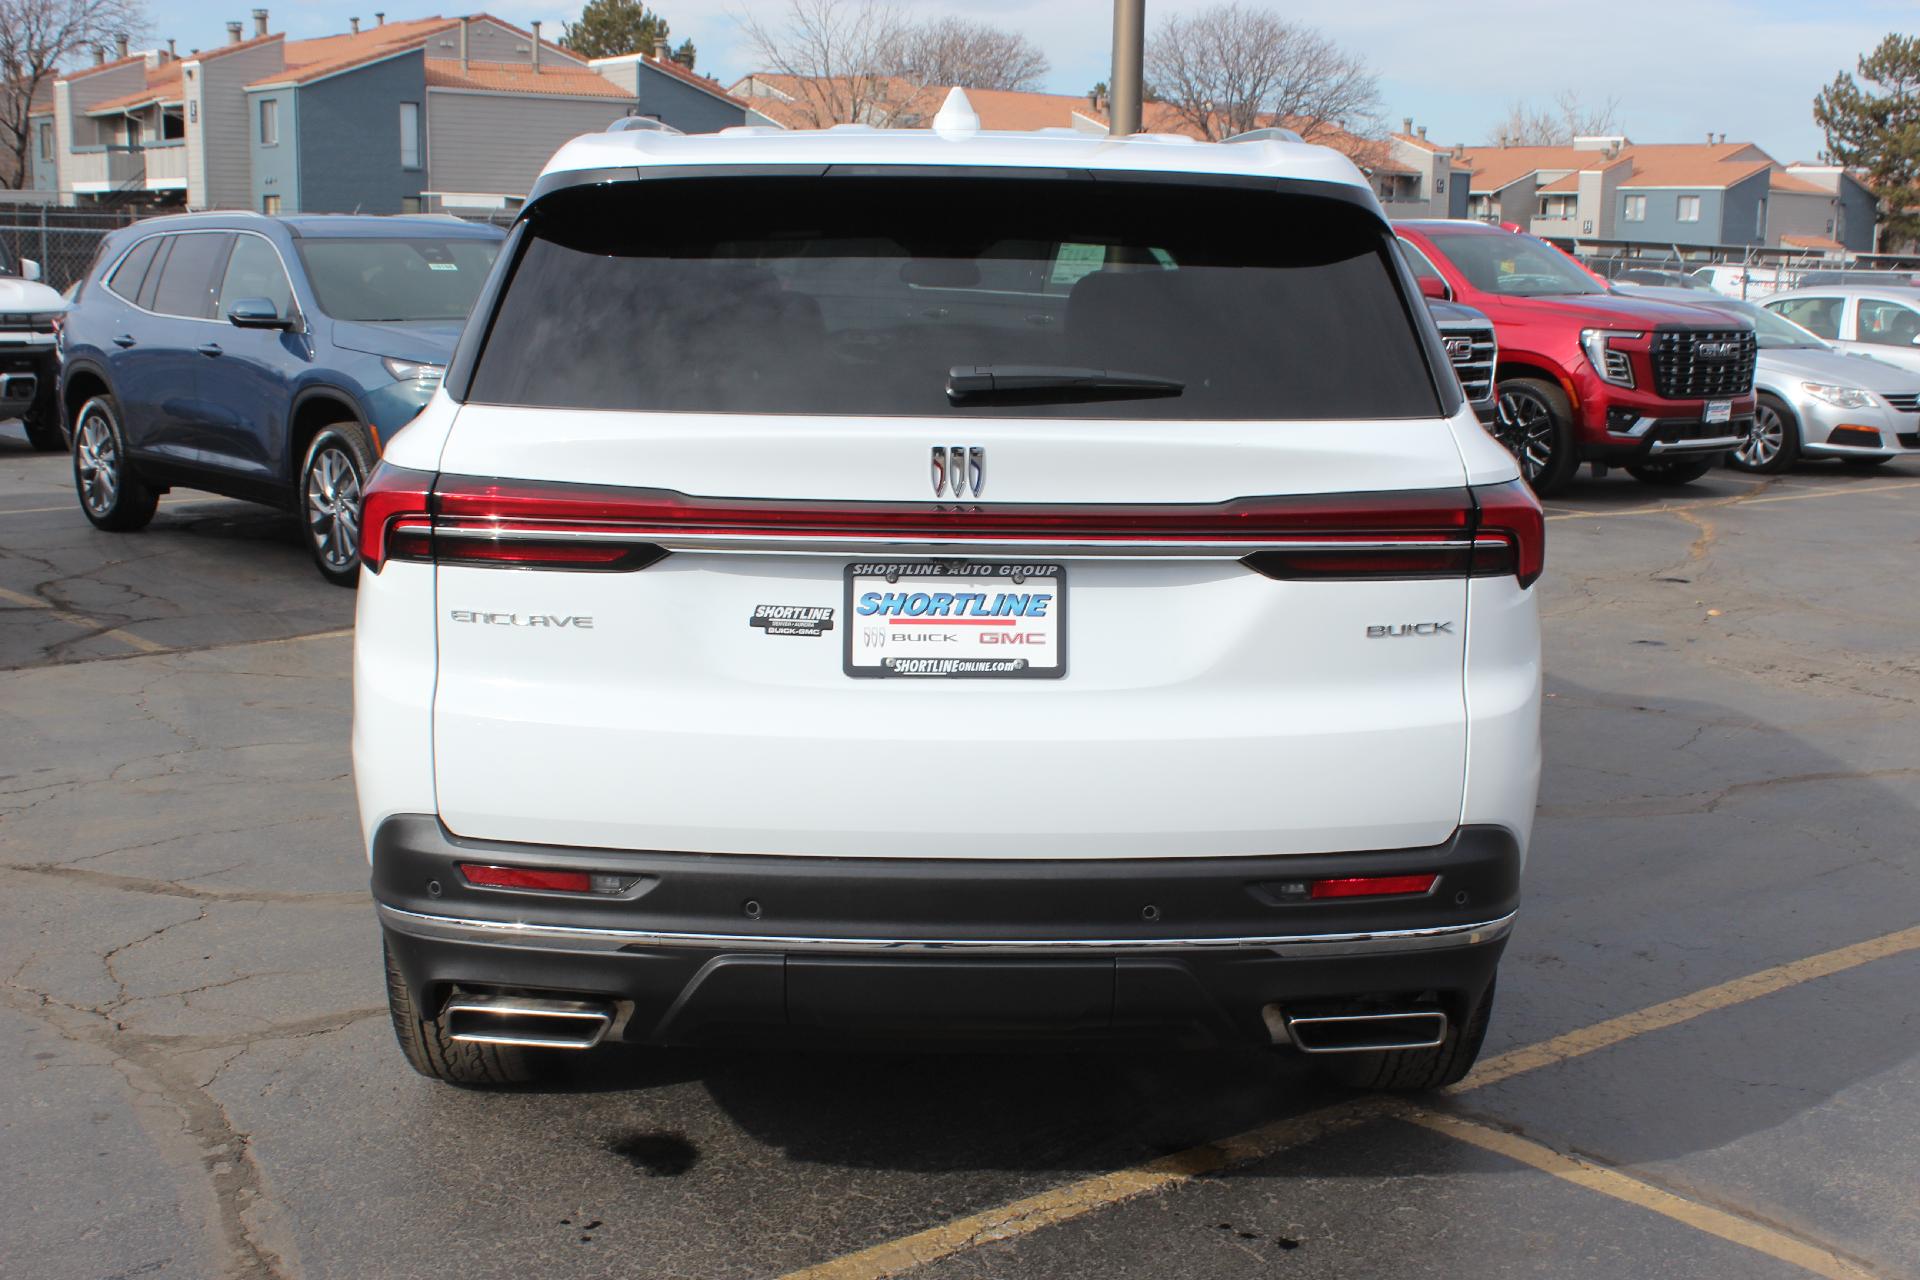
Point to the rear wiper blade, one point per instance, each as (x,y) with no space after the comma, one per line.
(1053,382)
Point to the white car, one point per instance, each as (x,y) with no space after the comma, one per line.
(919,584)
(1869,320)
(30,315)
(1736,281)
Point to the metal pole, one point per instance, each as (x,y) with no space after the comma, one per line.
(1129,43)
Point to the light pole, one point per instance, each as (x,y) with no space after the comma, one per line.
(1129,43)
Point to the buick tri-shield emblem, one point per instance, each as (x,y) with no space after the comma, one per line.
(959,470)
(1459,349)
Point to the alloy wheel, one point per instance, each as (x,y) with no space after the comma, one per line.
(99,462)
(1763,442)
(333,507)
(1524,424)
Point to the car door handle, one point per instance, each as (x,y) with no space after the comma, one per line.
(124,340)
(209,349)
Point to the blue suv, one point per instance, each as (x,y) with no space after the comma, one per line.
(261,358)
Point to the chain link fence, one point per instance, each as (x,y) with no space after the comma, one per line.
(63,241)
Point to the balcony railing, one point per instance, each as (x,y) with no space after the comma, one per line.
(153,165)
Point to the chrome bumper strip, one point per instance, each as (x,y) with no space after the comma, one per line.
(553,937)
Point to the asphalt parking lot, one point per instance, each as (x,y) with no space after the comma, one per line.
(1703,1061)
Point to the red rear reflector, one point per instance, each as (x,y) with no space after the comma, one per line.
(1371,886)
(491,877)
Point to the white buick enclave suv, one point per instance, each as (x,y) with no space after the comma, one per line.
(906,585)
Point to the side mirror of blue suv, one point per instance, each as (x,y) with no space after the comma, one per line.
(258,313)
(261,358)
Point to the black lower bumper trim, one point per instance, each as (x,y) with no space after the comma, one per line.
(843,948)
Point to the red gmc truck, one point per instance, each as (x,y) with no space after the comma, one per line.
(1586,375)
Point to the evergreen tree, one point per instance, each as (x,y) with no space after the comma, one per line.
(1872,123)
(610,28)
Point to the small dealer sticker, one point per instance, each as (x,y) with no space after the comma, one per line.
(792,619)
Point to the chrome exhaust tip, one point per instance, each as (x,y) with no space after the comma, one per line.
(527,1021)
(1368,1032)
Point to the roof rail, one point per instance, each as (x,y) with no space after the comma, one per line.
(635,124)
(1271,134)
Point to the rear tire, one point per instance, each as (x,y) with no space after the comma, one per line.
(1774,443)
(1415,1070)
(332,478)
(1671,475)
(111,492)
(434,1054)
(1534,420)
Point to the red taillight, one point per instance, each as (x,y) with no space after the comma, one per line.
(490,876)
(1511,514)
(1371,886)
(1421,533)
(393,516)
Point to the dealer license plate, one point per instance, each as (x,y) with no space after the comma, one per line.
(947,619)
(1719,411)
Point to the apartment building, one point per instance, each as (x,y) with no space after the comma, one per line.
(455,114)
(1714,193)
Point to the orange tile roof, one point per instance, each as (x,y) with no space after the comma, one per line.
(1812,242)
(564,81)
(348,44)
(1707,165)
(1417,141)
(1674,170)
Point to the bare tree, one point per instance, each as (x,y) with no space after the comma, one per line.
(36,37)
(837,56)
(942,52)
(1229,69)
(1528,124)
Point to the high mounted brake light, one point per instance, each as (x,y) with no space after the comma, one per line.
(1486,531)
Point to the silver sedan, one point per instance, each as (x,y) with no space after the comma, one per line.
(1814,400)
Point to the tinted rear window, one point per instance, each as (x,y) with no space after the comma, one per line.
(857,296)
(186,277)
(132,271)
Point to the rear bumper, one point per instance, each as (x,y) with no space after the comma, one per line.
(843,949)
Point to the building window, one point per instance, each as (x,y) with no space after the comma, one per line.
(269,121)
(173,125)
(1636,210)
(1689,209)
(412,204)
(270,205)
(409,135)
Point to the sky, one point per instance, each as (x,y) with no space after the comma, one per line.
(1678,68)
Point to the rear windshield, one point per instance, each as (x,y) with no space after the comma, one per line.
(356,278)
(859,296)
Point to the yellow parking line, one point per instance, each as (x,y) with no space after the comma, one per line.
(87,624)
(1062,1204)
(1616,1185)
(1602,1035)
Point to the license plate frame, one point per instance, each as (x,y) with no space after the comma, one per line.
(866,638)
(1718,411)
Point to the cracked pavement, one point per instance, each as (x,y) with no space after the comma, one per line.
(206,1086)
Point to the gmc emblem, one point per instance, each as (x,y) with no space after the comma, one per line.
(1716,350)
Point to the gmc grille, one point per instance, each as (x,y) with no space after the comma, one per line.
(1470,347)
(1699,364)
